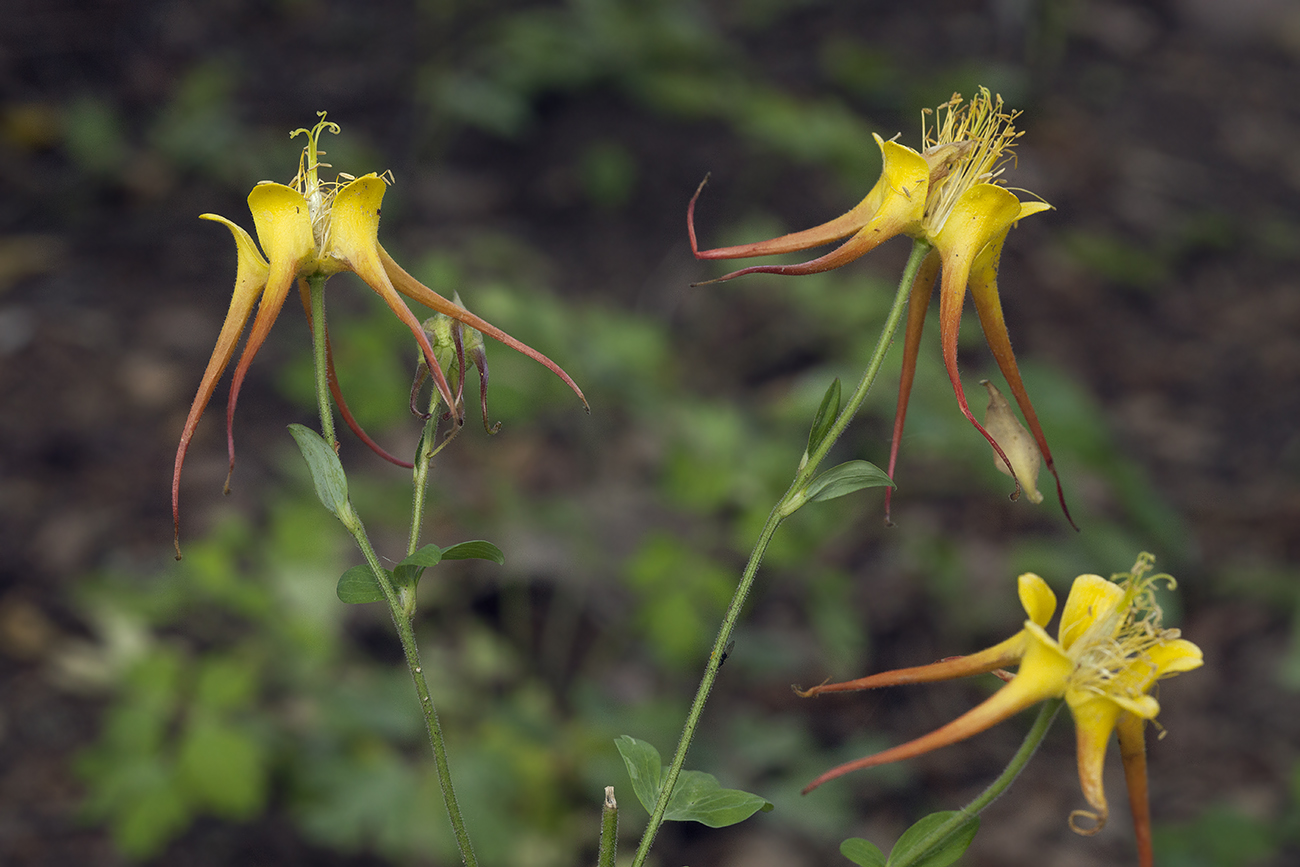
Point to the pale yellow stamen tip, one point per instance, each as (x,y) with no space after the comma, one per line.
(1119,646)
(985,134)
(320,194)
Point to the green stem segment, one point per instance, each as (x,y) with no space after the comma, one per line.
(316,283)
(607,855)
(401,609)
(1046,715)
(406,634)
(420,481)
(920,249)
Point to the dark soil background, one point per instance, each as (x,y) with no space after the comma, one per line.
(1170,126)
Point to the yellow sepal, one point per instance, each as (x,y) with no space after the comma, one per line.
(1037,598)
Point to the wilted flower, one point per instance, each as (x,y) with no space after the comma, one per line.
(951,196)
(314,229)
(1110,651)
(1017,445)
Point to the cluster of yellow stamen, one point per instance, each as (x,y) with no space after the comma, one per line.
(966,148)
(1113,655)
(320,194)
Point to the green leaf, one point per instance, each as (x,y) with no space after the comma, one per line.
(326,472)
(845,479)
(479,550)
(825,417)
(406,575)
(358,585)
(411,569)
(936,854)
(429,555)
(862,852)
(698,797)
(643,767)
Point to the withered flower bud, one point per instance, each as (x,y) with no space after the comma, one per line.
(1017,443)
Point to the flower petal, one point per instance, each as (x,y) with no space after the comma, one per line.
(1129,685)
(354,240)
(1133,751)
(1142,706)
(983,213)
(1042,676)
(250,280)
(1092,598)
(1094,722)
(283,224)
(841,227)
(1045,664)
(1037,598)
(893,207)
(414,289)
(1000,655)
(332,380)
(918,303)
(983,284)
(1175,657)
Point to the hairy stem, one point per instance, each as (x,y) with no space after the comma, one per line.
(316,283)
(420,481)
(401,608)
(406,634)
(779,512)
(920,249)
(608,852)
(1046,715)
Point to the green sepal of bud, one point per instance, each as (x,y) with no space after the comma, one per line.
(452,341)
(439,329)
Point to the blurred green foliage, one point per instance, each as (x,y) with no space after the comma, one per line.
(241,685)
(263,684)
(252,679)
(1123,262)
(1220,837)
(93,137)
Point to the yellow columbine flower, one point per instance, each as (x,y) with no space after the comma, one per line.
(314,229)
(951,196)
(1109,652)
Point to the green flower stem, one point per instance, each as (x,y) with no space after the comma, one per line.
(400,609)
(920,249)
(316,283)
(608,852)
(420,481)
(1046,715)
(406,634)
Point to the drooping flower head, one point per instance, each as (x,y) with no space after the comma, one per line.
(1111,649)
(312,229)
(952,196)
